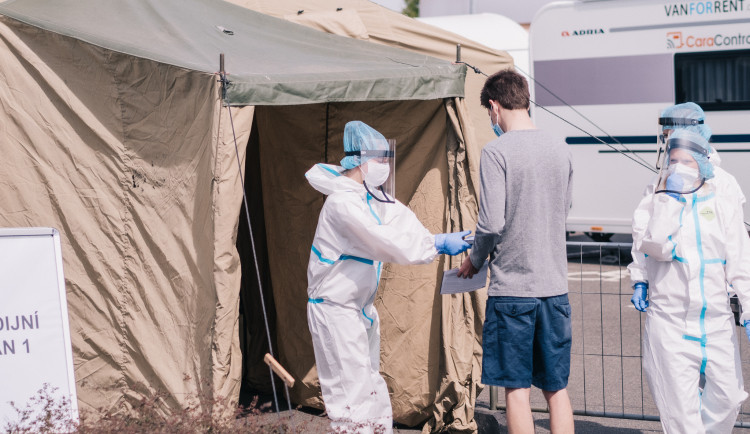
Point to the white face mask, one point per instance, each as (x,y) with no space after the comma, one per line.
(377,173)
(689,175)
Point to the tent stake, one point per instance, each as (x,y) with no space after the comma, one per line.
(279,370)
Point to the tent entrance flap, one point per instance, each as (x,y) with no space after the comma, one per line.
(256,379)
(292,140)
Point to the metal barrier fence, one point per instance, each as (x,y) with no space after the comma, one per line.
(606,375)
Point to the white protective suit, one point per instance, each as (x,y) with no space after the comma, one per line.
(691,250)
(355,235)
(725,185)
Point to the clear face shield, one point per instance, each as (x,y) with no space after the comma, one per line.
(379,172)
(681,173)
(666,126)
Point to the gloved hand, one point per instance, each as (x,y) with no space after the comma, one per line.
(640,295)
(747,329)
(451,243)
(674,182)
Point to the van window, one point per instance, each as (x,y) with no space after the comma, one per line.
(718,80)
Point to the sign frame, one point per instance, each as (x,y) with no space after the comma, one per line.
(64,323)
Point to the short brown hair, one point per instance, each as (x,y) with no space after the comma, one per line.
(508,88)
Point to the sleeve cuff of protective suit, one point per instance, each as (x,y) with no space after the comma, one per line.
(665,205)
(634,282)
(744,302)
(664,222)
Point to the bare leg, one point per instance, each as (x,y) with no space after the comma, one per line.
(518,414)
(560,412)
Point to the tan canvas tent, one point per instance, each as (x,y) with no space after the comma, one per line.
(113,131)
(363,19)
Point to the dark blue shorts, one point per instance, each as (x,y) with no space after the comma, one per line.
(526,340)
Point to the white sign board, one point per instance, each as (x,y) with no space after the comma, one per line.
(34,332)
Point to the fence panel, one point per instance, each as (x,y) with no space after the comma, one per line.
(606,375)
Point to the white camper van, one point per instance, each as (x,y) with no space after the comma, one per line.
(617,63)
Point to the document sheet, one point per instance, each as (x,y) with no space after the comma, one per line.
(453,284)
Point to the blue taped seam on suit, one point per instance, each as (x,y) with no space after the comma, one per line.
(377,282)
(704,198)
(351,257)
(323,166)
(693,338)
(674,245)
(682,211)
(372,297)
(341,258)
(380,264)
(321,258)
(365,315)
(372,211)
(356,258)
(702,321)
(674,251)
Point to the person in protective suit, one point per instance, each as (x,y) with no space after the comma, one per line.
(695,249)
(687,116)
(360,227)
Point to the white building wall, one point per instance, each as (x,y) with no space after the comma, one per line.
(394,5)
(519,11)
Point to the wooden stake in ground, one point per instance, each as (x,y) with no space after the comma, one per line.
(279,370)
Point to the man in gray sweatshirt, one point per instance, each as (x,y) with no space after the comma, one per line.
(525,195)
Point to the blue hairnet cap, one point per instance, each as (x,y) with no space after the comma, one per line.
(688,110)
(358,136)
(705,168)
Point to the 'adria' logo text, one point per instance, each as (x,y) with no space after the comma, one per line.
(584,32)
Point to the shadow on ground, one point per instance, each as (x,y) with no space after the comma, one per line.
(488,424)
(587,426)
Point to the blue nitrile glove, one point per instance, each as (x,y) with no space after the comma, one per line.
(640,295)
(747,329)
(674,182)
(452,243)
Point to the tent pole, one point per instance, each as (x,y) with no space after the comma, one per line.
(223,79)
(224,84)
(328,106)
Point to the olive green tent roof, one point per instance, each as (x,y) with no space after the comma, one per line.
(269,61)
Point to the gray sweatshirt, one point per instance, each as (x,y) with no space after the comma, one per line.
(525,196)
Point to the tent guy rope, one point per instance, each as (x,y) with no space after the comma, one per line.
(224,84)
(639,161)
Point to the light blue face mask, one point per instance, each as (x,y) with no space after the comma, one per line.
(496,128)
